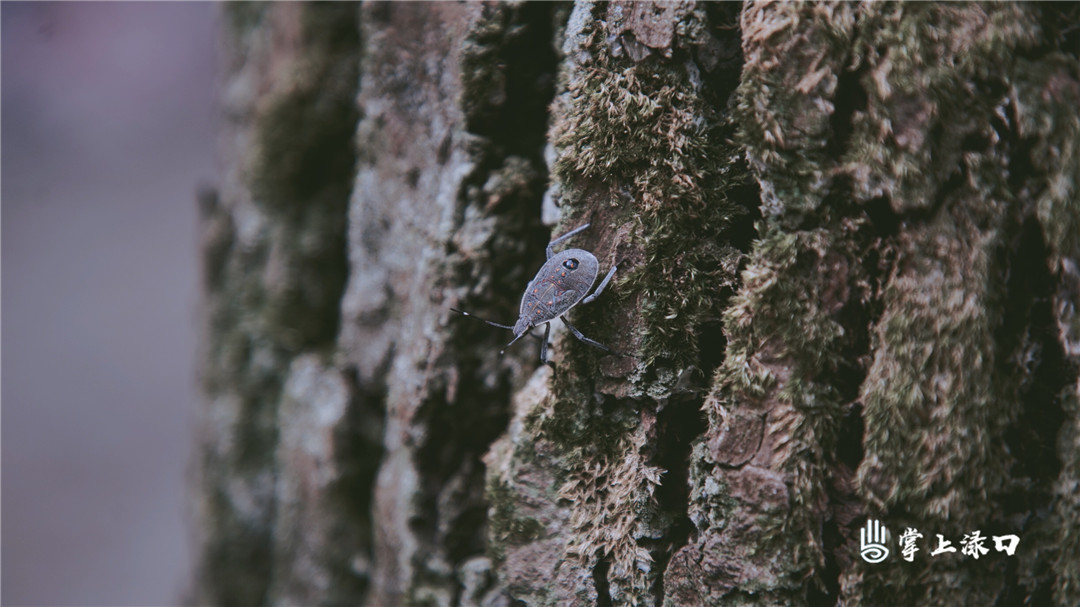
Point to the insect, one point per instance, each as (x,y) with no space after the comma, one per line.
(563,282)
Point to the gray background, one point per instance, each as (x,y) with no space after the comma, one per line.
(107,131)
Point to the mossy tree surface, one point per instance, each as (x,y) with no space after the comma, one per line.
(849,281)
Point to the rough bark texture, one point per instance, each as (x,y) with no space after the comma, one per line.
(849,247)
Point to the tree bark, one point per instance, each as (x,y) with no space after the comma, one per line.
(848,248)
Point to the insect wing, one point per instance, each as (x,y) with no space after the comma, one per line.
(559,285)
(547,298)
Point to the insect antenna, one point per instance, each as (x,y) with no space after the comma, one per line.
(494,324)
(516,337)
(501,326)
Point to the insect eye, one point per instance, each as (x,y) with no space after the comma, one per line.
(570,264)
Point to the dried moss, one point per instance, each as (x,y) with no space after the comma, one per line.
(787,97)
(614,508)
(796,328)
(794,337)
(935,406)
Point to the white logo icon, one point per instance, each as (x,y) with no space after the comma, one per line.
(872,540)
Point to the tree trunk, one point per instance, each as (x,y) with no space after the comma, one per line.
(848,247)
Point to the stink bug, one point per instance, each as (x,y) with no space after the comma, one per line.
(563,282)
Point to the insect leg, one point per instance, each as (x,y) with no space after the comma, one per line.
(591,342)
(494,324)
(562,238)
(544,346)
(603,285)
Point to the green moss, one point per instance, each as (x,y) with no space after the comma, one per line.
(915,141)
(645,151)
(644,139)
(506,65)
(927,93)
(794,286)
(935,361)
(577,422)
(784,113)
(792,335)
(880,137)
(942,394)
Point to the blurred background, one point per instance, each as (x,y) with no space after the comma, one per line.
(108,123)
